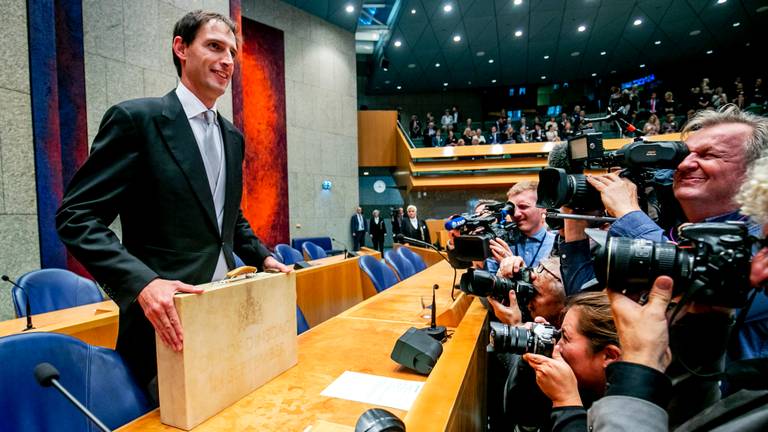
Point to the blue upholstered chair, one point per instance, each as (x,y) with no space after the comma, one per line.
(287,254)
(96,376)
(416,261)
(381,276)
(402,266)
(53,289)
(301,322)
(313,251)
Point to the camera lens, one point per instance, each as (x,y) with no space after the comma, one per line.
(557,188)
(509,339)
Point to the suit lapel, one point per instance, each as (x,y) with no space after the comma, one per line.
(233,151)
(174,126)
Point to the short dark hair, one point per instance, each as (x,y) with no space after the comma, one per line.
(190,23)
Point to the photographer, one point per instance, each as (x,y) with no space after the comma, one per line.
(548,302)
(535,242)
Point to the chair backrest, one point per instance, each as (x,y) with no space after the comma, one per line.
(96,376)
(301,322)
(323,242)
(53,289)
(416,261)
(288,255)
(381,276)
(313,251)
(402,266)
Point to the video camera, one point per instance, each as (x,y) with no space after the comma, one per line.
(481,283)
(479,229)
(709,265)
(540,339)
(639,160)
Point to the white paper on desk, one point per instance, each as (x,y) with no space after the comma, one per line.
(373,389)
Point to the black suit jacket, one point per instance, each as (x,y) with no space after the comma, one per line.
(353,224)
(420,233)
(145,166)
(377,230)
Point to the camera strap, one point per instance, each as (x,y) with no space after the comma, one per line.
(536,255)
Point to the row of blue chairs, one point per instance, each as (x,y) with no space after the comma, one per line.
(405,262)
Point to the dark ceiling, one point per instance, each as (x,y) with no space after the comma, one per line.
(670,32)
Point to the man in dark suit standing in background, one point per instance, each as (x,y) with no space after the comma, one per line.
(171,168)
(358,226)
(397,222)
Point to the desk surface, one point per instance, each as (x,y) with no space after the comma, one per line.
(361,340)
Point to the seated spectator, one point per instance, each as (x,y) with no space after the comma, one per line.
(494,137)
(669,106)
(480,136)
(447,119)
(460,142)
(538,134)
(523,135)
(740,101)
(429,134)
(550,122)
(652,126)
(475,141)
(438,140)
(414,126)
(578,116)
(552,135)
(561,123)
(467,135)
(468,123)
(510,135)
(451,138)
(567,131)
(669,125)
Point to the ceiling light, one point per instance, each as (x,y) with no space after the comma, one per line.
(736,24)
(386,82)
(457,38)
(603,53)
(694,32)
(365,173)
(546,57)
(447,8)
(613,71)
(350,8)
(437,64)
(480,53)
(398,43)
(709,51)
(413,11)
(412,65)
(493,81)
(518,33)
(582,28)
(761,9)
(721,1)
(638,22)
(490,60)
(594,74)
(543,77)
(518,2)
(657,43)
(445,84)
(575,54)
(399,87)
(642,65)
(469,82)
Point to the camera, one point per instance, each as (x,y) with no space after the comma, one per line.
(540,339)
(479,229)
(486,284)
(709,265)
(560,187)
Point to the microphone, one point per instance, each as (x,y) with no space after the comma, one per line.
(29,307)
(346,248)
(47,375)
(455,223)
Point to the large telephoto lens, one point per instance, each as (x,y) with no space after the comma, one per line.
(631,265)
(540,339)
(481,283)
(557,188)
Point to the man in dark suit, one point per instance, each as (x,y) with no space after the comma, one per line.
(359,226)
(494,137)
(378,231)
(397,222)
(171,168)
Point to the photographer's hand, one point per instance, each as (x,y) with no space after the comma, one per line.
(573,230)
(555,378)
(510,265)
(619,194)
(643,332)
(507,314)
(500,249)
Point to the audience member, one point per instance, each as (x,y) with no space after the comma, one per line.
(669,125)
(415,228)
(652,126)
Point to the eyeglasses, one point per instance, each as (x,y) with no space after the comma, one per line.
(541,269)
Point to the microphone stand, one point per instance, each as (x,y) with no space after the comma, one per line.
(435,331)
(26,295)
(345,248)
(47,375)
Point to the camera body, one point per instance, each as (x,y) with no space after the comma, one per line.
(540,339)
(481,283)
(478,230)
(710,264)
(639,160)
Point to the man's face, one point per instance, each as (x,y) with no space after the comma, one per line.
(527,216)
(208,62)
(711,175)
(548,301)
(359,210)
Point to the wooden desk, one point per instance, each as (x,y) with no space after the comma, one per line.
(361,340)
(94,323)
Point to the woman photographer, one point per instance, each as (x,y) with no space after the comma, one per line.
(575,375)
